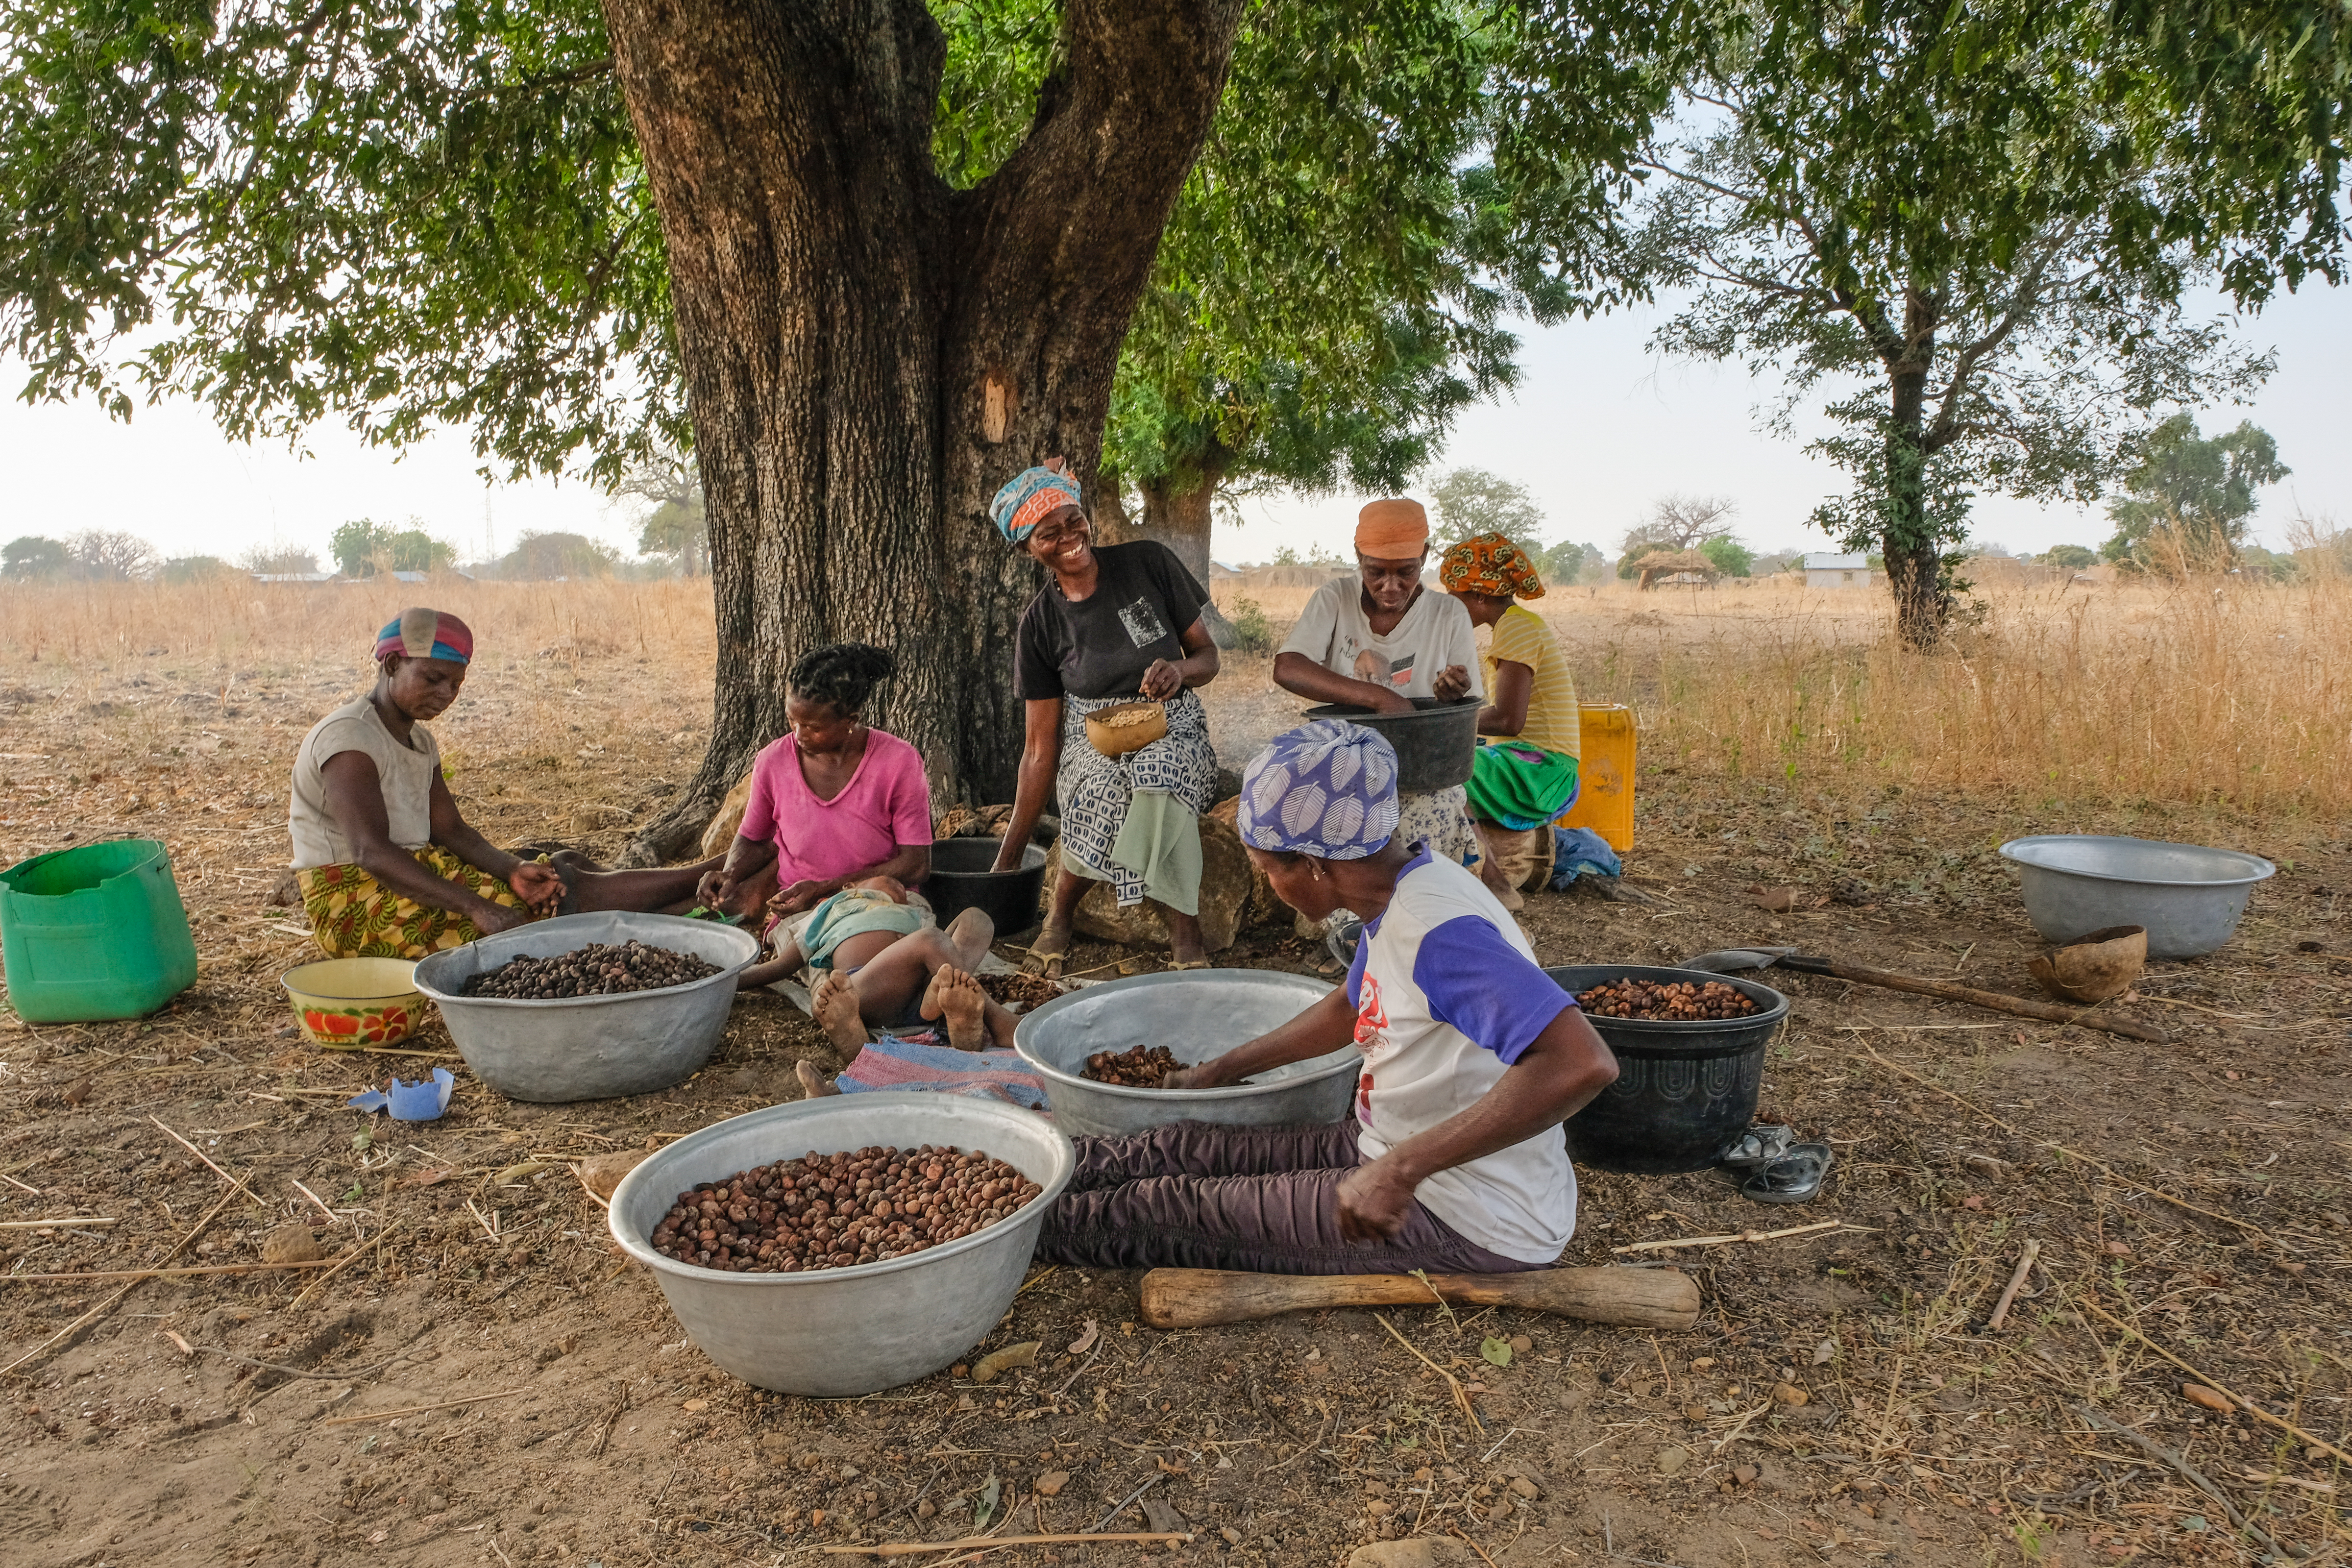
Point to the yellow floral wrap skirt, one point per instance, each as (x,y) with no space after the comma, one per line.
(355,916)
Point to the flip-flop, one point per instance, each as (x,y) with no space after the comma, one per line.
(1757,1147)
(1189,964)
(1795,1179)
(1042,960)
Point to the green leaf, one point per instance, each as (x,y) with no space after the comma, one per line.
(363,1140)
(988,1497)
(1497,1350)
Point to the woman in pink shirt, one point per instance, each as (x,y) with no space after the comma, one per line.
(833,802)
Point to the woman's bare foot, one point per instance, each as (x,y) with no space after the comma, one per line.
(1186,949)
(835,1001)
(957,996)
(815,1085)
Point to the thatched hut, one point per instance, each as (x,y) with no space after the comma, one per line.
(1661,567)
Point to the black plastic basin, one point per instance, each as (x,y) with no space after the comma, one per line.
(961,880)
(1434,742)
(1684,1090)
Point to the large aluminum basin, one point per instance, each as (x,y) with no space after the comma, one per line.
(2188,897)
(1198,1015)
(589,1047)
(841,1333)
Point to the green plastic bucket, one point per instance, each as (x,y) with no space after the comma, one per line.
(94,933)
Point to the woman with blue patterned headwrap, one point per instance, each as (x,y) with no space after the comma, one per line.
(1113,624)
(1454,1159)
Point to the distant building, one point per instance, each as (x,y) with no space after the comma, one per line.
(1826,571)
(293,576)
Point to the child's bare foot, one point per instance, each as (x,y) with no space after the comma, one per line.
(957,996)
(815,1085)
(835,1001)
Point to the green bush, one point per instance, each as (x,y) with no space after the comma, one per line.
(1252,632)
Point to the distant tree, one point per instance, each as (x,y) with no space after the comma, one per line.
(2189,496)
(1676,523)
(110,555)
(538,557)
(1775,561)
(2073,557)
(277,560)
(32,557)
(675,522)
(1473,501)
(184,569)
(364,547)
(2267,565)
(413,550)
(1984,547)
(1560,563)
(1730,557)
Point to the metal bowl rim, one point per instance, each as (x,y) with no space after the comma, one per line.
(2266,871)
(1679,1027)
(726,974)
(1237,1091)
(1067,1162)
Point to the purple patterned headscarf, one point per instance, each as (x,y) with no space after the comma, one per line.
(1325,789)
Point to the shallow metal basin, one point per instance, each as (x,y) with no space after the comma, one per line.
(2189,898)
(1198,1015)
(589,1047)
(840,1333)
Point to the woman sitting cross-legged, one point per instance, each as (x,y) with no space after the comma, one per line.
(388,866)
(1453,1160)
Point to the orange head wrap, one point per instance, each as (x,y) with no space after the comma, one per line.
(1391,529)
(1491,565)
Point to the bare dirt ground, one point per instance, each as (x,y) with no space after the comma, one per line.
(2188,1200)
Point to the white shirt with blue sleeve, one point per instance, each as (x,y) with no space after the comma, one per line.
(1448,994)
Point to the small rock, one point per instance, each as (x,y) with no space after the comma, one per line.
(2118,1249)
(603,1173)
(1788,1394)
(1825,1352)
(1672,1460)
(926,1509)
(77,1091)
(960,1370)
(1695,1413)
(1744,1474)
(693,1406)
(1703,1364)
(1972,1202)
(1525,1487)
(1377,1508)
(2288,1264)
(1521,1344)
(1415,1551)
(290,1243)
(1232,1536)
(1051,1483)
(2209,1398)
(774,1442)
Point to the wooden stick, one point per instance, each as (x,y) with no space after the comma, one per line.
(420,1409)
(1461,1396)
(1995,1001)
(2016,1283)
(2101,1166)
(1743,1235)
(990,1544)
(2194,1477)
(136,1274)
(343,1262)
(223,1175)
(52,1224)
(2251,1409)
(95,1313)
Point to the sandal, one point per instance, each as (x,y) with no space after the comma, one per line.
(1756,1148)
(1795,1179)
(1188,963)
(1042,960)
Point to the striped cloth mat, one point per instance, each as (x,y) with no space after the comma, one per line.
(922,1061)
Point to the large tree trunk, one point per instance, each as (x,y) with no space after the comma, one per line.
(1180,517)
(869,353)
(1908,538)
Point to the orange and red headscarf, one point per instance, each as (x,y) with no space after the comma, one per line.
(1491,565)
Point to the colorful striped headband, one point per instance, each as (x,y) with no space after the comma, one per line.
(1035,495)
(427,634)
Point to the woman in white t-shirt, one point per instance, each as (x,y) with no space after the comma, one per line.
(1382,639)
(1454,1159)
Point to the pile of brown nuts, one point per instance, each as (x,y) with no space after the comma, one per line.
(595,969)
(831,1211)
(1142,1067)
(1019,991)
(1678,1002)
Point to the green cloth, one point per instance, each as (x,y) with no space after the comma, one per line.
(854,911)
(1160,841)
(1520,786)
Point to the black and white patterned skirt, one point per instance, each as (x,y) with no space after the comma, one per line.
(1095,789)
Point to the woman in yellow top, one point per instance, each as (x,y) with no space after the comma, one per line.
(1525,773)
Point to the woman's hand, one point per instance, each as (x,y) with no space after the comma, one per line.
(493,919)
(1162,680)
(1452,683)
(1008,858)
(1389,699)
(1373,1201)
(1204,1075)
(718,886)
(800,898)
(539,887)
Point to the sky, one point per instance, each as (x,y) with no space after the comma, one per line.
(1599,428)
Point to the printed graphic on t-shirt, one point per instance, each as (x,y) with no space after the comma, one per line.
(1143,624)
(1377,668)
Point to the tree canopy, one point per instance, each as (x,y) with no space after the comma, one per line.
(2187,496)
(364,547)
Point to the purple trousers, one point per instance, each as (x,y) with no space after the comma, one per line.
(1193,1194)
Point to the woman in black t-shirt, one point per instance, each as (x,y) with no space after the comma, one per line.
(1111,624)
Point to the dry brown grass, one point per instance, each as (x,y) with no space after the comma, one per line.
(2201,693)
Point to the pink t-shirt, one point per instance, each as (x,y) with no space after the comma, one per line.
(885,804)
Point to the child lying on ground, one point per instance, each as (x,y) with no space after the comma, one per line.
(879,966)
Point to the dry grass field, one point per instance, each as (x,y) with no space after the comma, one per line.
(2187,1200)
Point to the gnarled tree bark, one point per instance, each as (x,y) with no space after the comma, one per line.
(869,353)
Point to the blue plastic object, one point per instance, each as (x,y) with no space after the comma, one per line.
(422,1100)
